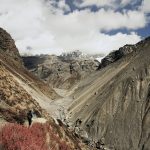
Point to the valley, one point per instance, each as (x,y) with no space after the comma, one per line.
(94,105)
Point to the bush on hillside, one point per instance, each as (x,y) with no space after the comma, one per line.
(37,137)
(18,137)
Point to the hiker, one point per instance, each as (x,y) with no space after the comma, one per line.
(71,68)
(29,117)
(98,145)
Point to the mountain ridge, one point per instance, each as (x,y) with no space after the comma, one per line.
(121,52)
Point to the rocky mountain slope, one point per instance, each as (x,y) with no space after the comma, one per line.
(113,104)
(116,55)
(20,91)
(61,71)
(7,47)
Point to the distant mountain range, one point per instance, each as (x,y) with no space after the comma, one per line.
(62,71)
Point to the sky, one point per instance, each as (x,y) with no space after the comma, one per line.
(91,26)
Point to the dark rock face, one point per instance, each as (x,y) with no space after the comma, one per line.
(7,46)
(116,55)
(32,62)
(115,105)
(60,71)
(122,52)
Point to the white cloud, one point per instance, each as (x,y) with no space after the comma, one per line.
(42,44)
(62,5)
(22,18)
(45,28)
(146,6)
(96,43)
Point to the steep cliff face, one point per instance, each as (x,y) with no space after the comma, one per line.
(60,72)
(8,47)
(116,55)
(10,57)
(113,105)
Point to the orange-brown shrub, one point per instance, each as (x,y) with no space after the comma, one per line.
(19,137)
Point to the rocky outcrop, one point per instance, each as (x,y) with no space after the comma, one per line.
(113,104)
(7,46)
(60,71)
(118,54)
